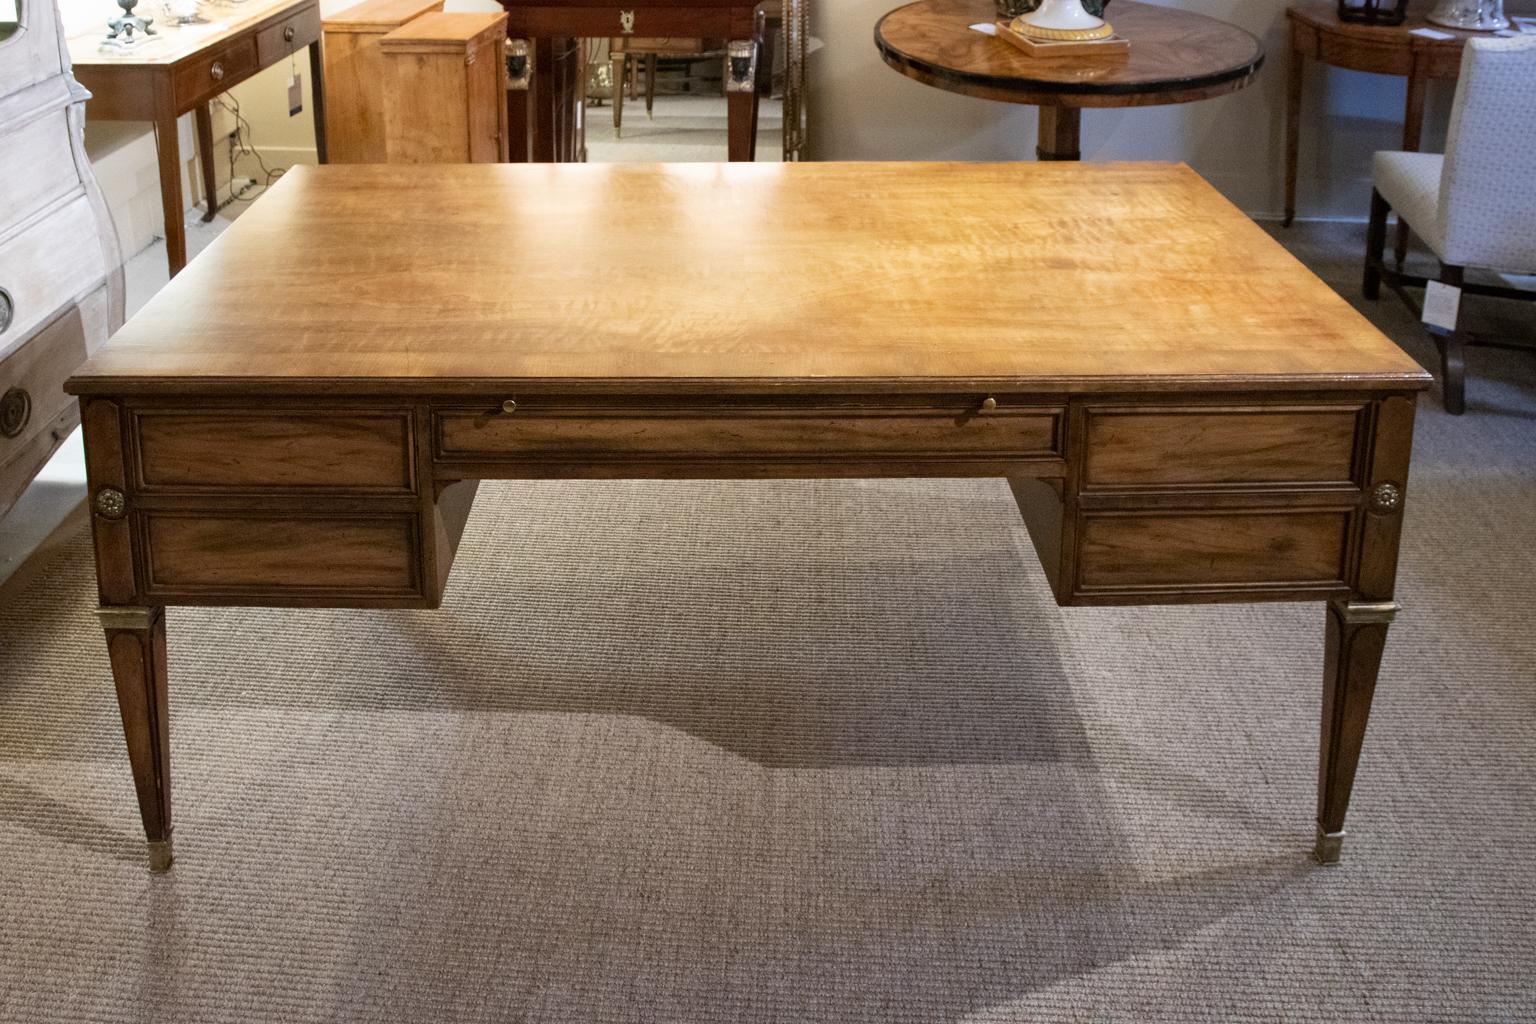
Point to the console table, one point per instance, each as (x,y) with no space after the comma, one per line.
(182,71)
(1210,422)
(1317,32)
(553,83)
(1176,57)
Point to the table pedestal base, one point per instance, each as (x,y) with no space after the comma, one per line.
(1061,133)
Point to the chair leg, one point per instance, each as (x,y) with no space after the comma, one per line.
(1375,246)
(1453,348)
(1400,250)
(650,83)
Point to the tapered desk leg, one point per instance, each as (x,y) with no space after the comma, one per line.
(741,99)
(204,118)
(136,647)
(1061,131)
(169,150)
(1356,638)
(618,62)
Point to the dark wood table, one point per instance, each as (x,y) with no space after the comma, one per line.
(1176,57)
(182,72)
(1317,32)
(548,98)
(1211,423)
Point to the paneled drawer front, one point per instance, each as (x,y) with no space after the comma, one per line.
(299,451)
(1195,447)
(956,429)
(35,413)
(47,266)
(281,555)
(36,168)
(212,73)
(278,40)
(1303,550)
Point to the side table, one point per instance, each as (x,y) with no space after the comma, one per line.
(1317,32)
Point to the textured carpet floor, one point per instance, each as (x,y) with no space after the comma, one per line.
(797,752)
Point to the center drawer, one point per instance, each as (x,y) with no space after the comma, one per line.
(609,430)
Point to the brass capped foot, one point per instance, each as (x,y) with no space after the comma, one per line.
(160,856)
(1329,844)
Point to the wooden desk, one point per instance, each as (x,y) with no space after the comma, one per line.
(551,29)
(1216,424)
(1317,32)
(1176,57)
(184,71)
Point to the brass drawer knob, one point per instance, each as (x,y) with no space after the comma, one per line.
(288,34)
(510,405)
(7,310)
(217,71)
(988,404)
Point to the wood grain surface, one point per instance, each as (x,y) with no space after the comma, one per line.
(1176,57)
(716,278)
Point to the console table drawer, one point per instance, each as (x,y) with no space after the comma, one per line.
(212,73)
(1207,447)
(294,32)
(956,429)
(1178,550)
(302,451)
(279,556)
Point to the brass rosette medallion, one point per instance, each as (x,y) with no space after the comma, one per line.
(111,503)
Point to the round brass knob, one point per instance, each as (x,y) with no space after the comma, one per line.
(7,310)
(288,34)
(217,71)
(510,405)
(988,404)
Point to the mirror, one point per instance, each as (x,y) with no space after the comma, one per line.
(10,18)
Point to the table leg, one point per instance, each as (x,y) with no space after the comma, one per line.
(741,106)
(169,151)
(618,63)
(317,97)
(136,648)
(1293,85)
(1356,638)
(204,118)
(650,83)
(1413,128)
(543,101)
(1060,133)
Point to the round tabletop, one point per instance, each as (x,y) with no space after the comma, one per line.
(1175,57)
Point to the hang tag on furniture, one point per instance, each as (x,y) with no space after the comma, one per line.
(1441,301)
(295,94)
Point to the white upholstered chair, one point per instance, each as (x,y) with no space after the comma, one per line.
(1476,205)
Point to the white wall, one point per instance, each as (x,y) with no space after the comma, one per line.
(862,110)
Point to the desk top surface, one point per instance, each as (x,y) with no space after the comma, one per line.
(1176,56)
(729,277)
(222,19)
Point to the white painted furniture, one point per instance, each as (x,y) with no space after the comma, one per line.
(61,290)
(1475,207)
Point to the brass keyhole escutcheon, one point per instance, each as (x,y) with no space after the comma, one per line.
(510,405)
(15,411)
(627,22)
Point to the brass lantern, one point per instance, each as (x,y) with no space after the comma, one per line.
(1373,12)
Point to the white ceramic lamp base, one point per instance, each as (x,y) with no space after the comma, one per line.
(1061,21)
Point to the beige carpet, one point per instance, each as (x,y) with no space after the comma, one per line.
(796,752)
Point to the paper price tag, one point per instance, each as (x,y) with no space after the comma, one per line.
(986,28)
(1429,33)
(1441,302)
(295,94)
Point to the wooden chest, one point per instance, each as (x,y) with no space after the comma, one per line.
(445,90)
(60,275)
(354,76)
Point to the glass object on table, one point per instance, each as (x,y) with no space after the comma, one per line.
(1470,15)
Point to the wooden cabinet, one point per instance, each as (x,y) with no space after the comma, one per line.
(60,276)
(354,75)
(445,90)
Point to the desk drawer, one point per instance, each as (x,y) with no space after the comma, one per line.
(211,451)
(1203,447)
(279,557)
(282,38)
(621,431)
(212,73)
(1189,550)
